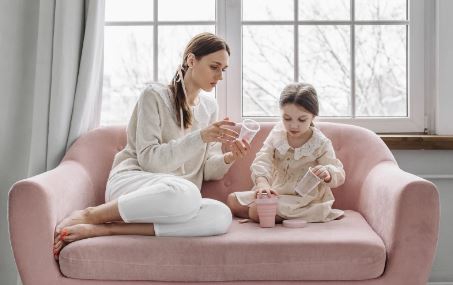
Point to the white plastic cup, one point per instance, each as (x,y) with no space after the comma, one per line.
(307,183)
(249,128)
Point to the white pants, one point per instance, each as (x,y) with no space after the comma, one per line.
(173,204)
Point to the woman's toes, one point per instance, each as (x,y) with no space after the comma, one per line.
(57,247)
(75,218)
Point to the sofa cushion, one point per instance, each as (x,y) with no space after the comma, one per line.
(344,249)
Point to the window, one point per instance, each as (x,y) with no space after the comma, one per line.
(364,57)
(143,41)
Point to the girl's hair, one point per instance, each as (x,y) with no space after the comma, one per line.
(300,94)
(200,45)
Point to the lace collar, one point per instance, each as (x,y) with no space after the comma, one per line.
(280,142)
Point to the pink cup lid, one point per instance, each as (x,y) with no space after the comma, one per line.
(264,199)
(296,223)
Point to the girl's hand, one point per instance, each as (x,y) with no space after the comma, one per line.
(262,189)
(322,172)
(238,149)
(217,132)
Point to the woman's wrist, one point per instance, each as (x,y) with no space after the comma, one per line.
(203,135)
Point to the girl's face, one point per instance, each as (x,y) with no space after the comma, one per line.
(208,71)
(296,119)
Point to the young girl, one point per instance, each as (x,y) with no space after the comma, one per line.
(292,147)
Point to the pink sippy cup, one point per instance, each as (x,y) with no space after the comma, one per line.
(267,210)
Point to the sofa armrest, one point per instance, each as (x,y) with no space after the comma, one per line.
(35,206)
(404,211)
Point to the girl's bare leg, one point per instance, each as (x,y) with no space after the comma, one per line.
(237,209)
(82,231)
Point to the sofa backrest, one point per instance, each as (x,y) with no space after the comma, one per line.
(359,149)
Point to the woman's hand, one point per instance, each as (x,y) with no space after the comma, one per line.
(237,149)
(322,172)
(217,132)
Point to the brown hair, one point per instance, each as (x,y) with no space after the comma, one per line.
(200,45)
(300,94)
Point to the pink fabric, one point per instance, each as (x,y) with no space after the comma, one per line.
(402,209)
(346,249)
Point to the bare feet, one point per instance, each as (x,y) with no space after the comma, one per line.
(77,232)
(75,218)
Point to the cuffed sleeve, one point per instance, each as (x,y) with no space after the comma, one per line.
(152,154)
(333,164)
(262,166)
(215,167)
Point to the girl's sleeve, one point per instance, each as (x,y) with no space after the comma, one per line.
(333,164)
(262,165)
(215,167)
(152,154)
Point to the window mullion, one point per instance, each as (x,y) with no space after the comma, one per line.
(233,77)
(296,40)
(155,42)
(352,34)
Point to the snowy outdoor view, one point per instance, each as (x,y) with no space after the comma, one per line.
(363,78)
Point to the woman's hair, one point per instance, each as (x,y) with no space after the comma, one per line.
(300,94)
(200,45)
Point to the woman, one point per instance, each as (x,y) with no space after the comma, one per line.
(173,144)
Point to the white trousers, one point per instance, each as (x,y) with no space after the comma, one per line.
(173,204)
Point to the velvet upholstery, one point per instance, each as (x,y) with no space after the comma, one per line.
(388,235)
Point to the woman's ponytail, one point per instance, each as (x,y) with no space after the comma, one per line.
(180,98)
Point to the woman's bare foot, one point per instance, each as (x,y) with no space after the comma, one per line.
(75,218)
(77,232)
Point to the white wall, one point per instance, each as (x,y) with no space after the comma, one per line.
(18,24)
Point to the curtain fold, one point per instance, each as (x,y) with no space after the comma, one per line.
(68,78)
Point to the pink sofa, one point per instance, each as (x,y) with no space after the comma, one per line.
(387,236)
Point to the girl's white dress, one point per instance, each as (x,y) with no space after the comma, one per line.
(284,166)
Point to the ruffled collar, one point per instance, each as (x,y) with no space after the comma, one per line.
(280,142)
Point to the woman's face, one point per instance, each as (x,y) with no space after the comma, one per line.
(208,71)
(296,119)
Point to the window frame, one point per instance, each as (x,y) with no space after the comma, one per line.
(229,93)
(228,24)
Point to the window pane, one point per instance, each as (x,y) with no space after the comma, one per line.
(324,61)
(128,65)
(267,10)
(172,42)
(324,10)
(381,10)
(268,65)
(131,10)
(183,10)
(381,85)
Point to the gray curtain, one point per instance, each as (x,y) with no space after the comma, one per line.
(68,78)
(50,76)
